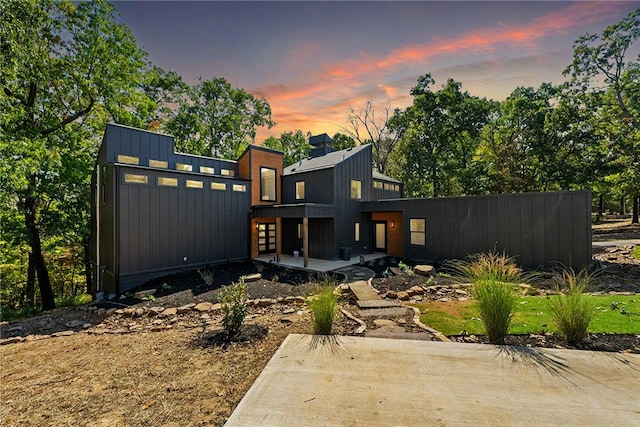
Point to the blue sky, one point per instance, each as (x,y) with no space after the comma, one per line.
(311,60)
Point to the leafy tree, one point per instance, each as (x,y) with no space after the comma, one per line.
(294,145)
(342,141)
(58,62)
(217,119)
(602,59)
(440,133)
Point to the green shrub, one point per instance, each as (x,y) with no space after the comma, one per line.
(323,306)
(496,302)
(572,309)
(233,301)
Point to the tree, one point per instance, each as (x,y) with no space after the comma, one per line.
(294,145)
(342,141)
(603,58)
(365,128)
(58,62)
(217,119)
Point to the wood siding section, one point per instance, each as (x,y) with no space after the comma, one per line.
(257,158)
(394,234)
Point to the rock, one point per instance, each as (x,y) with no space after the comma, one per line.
(424,270)
(12,340)
(263,302)
(401,322)
(289,311)
(185,308)
(433,289)
(155,310)
(74,323)
(285,320)
(395,271)
(139,312)
(252,277)
(216,307)
(86,325)
(415,290)
(118,311)
(144,294)
(130,311)
(15,328)
(205,316)
(392,294)
(418,298)
(203,306)
(383,322)
(403,296)
(168,312)
(344,287)
(444,299)
(463,299)
(63,334)
(461,292)
(157,322)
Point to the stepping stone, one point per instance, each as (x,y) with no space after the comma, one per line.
(383,312)
(363,291)
(377,304)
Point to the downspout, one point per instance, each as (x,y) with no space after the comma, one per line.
(97,201)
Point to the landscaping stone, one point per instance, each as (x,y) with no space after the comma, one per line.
(403,296)
(253,277)
(425,270)
(63,334)
(144,294)
(203,306)
(168,312)
(391,294)
(186,308)
(289,311)
(155,310)
(383,322)
(74,323)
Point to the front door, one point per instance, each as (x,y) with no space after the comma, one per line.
(380,236)
(266,237)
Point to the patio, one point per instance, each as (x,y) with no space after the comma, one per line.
(315,264)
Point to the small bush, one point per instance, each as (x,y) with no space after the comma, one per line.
(572,309)
(323,306)
(233,301)
(496,302)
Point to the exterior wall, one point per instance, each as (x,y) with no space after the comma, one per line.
(539,229)
(249,167)
(347,210)
(318,187)
(394,233)
(159,227)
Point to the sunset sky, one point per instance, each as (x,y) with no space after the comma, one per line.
(311,60)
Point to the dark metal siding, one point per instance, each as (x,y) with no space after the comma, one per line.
(347,210)
(159,226)
(539,229)
(321,238)
(318,187)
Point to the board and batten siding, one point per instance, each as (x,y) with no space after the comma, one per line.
(159,226)
(538,229)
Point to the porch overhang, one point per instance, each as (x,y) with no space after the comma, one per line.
(299,210)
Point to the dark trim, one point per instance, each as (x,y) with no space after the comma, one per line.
(275,184)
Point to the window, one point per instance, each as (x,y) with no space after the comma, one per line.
(184,167)
(218,186)
(377,184)
(356,189)
(207,169)
(299,231)
(239,187)
(226,172)
(417,229)
(357,232)
(158,164)
(396,187)
(299,190)
(268,184)
(135,179)
(192,183)
(387,186)
(130,160)
(167,182)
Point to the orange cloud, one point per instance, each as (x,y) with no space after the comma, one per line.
(317,100)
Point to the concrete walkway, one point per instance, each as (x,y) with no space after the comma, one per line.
(351,381)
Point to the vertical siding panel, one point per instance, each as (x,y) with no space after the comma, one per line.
(143,237)
(566,225)
(539,230)
(515,220)
(552,228)
(526,229)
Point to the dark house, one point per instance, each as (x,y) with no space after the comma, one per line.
(156,211)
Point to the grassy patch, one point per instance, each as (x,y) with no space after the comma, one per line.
(8,315)
(636,252)
(616,314)
(323,306)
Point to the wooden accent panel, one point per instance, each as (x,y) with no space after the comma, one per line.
(260,158)
(244,165)
(394,234)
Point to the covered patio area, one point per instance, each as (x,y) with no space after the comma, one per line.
(315,264)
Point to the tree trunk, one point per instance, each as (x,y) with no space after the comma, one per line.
(600,206)
(30,291)
(87,264)
(44,283)
(623,207)
(636,202)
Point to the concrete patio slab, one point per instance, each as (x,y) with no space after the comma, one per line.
(352,381)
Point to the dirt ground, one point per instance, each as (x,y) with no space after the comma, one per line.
(121,369)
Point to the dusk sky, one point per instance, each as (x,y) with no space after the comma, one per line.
(311,60)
